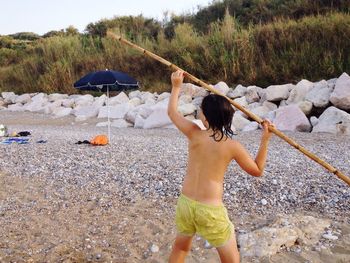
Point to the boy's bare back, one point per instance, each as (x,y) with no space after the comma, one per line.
(207,164)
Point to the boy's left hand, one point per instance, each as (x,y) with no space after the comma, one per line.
(177,78)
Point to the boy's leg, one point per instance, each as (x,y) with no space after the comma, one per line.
(229,252)
(181,247)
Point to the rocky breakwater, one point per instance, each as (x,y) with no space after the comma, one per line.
(321,106)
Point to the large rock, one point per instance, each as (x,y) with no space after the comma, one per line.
(86,112)
(278,92)
(193,90)
(158,119)
(319,95)
(184,99)
(341,94)
(305,106)
(261,111)
(238,92)
(252,94)
(241,101)
(163,96)
(239,122)
(84,100)
(121,98)
(135,94)
(284,232)
(135,101)
(15,107)
(37,104)
(186,109)
(298,93)
(146,97)
(23,99)
(333,121)
(291,118)
(115,112)
(57,96)
(9,97)
(139,122)
(222,88)
(68,103)
(100,101)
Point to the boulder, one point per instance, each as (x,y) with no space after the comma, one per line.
(57,96)
(261,111)
(291,118)
(100,101)
(319,95)
(83,100)
(23,99)
(37,104)
(278,92)
(340,97)
(241,101)
(252,126)
(163,96)
(239,122)
(50,107)
(9,97)
(139,122)
(298,93)
(186,109)
(238,92)
(115,112)
(147,96)
(135,94)
(305,106)
(135,101)
(121,98)
(193,90)
(314,121)
(222,87)
(68,103)
(16,107)
(184,99)
(284,232)
(271,106)
(197,102)
(252,94)
(333,121)
(158,118)
(86,112)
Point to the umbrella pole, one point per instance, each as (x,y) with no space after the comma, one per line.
(237,105)
(109,123)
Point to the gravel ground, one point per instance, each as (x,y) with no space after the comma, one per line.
(149,165)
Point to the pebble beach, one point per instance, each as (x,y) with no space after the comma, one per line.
(63,202)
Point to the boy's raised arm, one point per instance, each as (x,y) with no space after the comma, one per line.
(185,126)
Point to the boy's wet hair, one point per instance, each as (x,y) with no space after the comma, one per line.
(219,113)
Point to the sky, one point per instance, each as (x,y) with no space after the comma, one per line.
(42,16)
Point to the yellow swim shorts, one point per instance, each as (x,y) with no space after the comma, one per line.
(209,221)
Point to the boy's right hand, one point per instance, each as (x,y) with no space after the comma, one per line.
(177,78)
(266,132)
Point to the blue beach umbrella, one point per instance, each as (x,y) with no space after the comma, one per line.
(106,81)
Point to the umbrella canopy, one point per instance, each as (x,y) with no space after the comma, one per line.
(106,80)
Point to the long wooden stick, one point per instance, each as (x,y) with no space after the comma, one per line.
(238,106)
